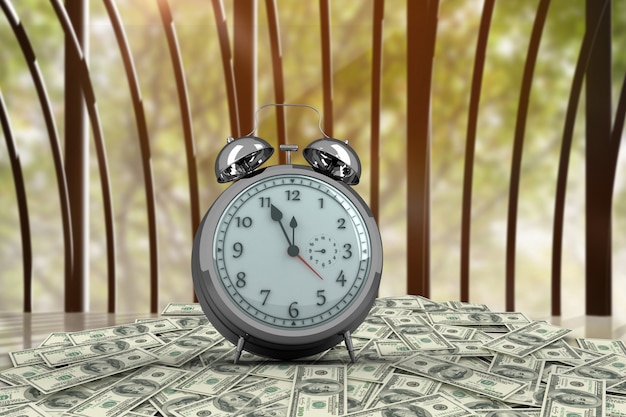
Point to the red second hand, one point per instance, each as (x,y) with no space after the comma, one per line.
(309,266)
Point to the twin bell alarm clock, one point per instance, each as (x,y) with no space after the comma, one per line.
(287,261)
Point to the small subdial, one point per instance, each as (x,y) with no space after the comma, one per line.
(322,251)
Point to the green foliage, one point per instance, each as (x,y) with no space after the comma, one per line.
(351,30)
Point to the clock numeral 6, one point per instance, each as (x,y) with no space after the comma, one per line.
(293,311)
(241,280)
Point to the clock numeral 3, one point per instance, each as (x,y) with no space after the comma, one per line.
(348,253)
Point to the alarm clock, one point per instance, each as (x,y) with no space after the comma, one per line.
(287,261)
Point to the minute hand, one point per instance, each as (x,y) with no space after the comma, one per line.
(277,216)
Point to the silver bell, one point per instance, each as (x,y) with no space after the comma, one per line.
(240,157)
(334,158)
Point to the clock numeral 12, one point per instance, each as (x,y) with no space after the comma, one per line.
(293,195)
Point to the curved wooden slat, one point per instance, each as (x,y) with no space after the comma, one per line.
(564,158)
(421,36)
(518,146)
(277,71)
(144,142)
(616,132)
(22,204)
(375,108)
(53,136)
(470,144)
(96,128)
(185,112)
(327,66)
(227,64)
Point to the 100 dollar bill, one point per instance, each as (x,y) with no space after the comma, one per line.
(481,318)
(80,353)
(128,392)
(491,385)
(527,339)
(417,334)
(123,330)
(570,395)
(318,390)
(435,405)
(90,370)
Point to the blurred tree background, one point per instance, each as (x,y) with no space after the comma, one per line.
(351,29)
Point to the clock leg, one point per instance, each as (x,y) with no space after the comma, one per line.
(240,344)
(348,340)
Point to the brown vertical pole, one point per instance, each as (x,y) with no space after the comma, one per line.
(327,66)
(470,146)
(421,35)
(598,162)
(77,161)
(244,61)
(377,76)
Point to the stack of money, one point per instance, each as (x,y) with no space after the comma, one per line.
(415,357)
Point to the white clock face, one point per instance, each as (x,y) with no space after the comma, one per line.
(292,251)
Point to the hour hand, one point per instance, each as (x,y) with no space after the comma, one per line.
(277,216)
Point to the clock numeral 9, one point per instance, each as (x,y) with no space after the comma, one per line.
(238,249)
(243,222)
(241,280)
(293,311)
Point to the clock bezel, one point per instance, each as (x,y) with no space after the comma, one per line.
(261,338)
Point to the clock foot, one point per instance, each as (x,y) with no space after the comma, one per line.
(240,344)
(348,341)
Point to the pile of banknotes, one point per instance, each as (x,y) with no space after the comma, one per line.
(414,357)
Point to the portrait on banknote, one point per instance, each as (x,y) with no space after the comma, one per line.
(110,347)
(136,387)
(101,366)
(580,399)
(65,399)
(130,330)
(450,371)
(516,372)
